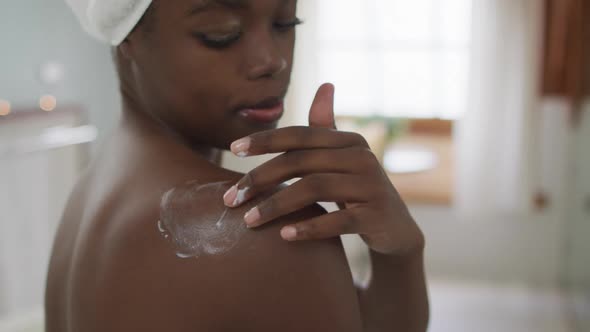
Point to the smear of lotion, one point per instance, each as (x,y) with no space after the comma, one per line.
(241,196)
(196,220)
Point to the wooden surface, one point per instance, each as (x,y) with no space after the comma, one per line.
(430,187)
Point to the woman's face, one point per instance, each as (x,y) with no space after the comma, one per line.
(197,64)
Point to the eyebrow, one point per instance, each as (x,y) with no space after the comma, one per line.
(206,4)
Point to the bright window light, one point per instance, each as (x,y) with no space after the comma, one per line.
(396,58)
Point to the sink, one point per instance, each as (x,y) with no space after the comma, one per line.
(403,160)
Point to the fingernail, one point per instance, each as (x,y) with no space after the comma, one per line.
(289,233)
(240,196)
(252,217)
(240,147)
(230,196)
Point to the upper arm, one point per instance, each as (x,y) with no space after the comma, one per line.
(262,284)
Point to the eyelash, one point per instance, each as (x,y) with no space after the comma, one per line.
(284,27)
(217,42)
(226,41)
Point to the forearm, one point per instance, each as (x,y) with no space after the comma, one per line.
(396,298)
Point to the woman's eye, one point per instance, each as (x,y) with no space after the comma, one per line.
(220,41)
(217,41)
(286,26)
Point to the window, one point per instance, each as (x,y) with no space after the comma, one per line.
(396,58)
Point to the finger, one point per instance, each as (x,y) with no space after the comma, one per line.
(341,206)
(307,191)
(326,226)
(295,138)
(321,113)
(296,164)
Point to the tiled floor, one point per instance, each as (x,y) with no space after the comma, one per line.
(457,307)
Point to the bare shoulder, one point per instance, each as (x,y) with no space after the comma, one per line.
(180,261)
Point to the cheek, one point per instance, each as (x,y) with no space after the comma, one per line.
(193,79)
(200,69)
(288,44)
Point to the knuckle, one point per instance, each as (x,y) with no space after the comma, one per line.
(293,159)
(269,208)
(360,140)
(261,142)
(251,179)
(350,137)
(300,135)
(365,156)
(362,152)
(355,139)
(348,223)
(370,156)
(307,231)
(314,185)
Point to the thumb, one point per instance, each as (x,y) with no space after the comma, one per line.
(321,113)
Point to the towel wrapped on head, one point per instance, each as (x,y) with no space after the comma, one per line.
(109,20)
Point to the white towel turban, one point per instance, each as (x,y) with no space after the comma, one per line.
(109,20)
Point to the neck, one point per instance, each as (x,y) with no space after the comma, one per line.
(140,124)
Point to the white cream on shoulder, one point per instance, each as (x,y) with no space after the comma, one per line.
(197,222)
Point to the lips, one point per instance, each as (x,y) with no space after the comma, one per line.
(267,111)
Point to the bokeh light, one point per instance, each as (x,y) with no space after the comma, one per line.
(48,103)
(4,107)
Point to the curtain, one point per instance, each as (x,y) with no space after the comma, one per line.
(494,140)
(567,50)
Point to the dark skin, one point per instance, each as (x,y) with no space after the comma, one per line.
(112,271)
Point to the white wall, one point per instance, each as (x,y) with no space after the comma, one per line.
(578,237)
(33,32)
(33,192)
(578,249)
(546,247)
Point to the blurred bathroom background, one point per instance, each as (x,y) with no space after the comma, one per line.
(478,110)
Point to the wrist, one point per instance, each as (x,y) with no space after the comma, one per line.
(412,251)
(399,259)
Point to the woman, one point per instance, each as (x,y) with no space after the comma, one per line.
(198,77)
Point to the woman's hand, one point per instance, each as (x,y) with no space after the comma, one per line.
(333,166)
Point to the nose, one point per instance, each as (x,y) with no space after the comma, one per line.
(264,58)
